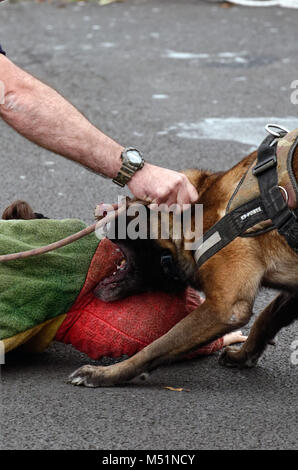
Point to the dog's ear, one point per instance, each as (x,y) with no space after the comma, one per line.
(199,179)
(18,210)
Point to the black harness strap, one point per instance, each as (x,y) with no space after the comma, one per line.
(231,226)
(283,218)
(269,205)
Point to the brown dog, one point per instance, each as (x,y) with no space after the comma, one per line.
(230,280)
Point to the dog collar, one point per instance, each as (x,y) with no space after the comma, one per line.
(259,197)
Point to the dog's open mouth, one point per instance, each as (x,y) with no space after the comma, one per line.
(120,282)
(117,276)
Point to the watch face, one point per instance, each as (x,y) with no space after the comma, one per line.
(134,157)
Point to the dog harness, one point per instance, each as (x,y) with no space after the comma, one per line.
(260,202)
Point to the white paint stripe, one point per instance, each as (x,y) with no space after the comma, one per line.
(248,131)
(256,3)
(160,97)
(224,57)
(266,3)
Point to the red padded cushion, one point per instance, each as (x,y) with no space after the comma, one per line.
(125,326)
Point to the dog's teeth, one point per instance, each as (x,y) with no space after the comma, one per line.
(114,273)
(120,265)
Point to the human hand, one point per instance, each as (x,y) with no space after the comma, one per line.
(234,337)
(162,186)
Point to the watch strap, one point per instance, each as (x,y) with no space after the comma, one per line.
(127,170)
(125,174)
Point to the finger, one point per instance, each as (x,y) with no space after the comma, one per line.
(186,193)
(242,339)
(183,199)
(167,199)
(154,206)
(102,209)
(193,193)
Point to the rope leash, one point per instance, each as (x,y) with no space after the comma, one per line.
(65,241)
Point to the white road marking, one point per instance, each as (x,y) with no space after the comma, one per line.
(248,131)
(160,97)
(222,57)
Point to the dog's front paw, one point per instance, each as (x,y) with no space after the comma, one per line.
(92,376)
(233,356)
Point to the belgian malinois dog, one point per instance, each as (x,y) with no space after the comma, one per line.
(230,280)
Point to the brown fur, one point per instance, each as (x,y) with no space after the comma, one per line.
(18,210)
(230,280)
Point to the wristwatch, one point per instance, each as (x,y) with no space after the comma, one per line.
(132,161)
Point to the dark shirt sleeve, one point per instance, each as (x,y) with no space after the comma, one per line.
(1,50)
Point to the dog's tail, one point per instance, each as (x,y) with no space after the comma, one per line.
(20,210)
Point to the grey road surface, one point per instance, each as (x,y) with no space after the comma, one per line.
(191,84)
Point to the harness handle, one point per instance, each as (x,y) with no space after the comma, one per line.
(283,130)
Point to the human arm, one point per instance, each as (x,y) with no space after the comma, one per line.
(43,116)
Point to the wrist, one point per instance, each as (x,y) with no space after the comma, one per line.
(107,163)
(139,175)
(116,161)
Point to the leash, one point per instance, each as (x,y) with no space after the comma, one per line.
(65,241)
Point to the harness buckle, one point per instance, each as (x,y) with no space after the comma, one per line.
(265,165)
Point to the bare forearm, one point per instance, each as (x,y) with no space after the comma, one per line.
(43,116)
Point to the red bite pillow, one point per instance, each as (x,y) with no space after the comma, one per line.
(125,326)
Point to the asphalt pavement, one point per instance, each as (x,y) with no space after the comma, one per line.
(191,84)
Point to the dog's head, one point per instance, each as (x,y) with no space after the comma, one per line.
(154,263)
(146,266)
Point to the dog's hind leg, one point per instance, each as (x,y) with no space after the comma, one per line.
(278,314)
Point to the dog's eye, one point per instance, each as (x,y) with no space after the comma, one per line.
(166,260)
(168,266)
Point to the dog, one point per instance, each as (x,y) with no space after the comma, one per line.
(230,280)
